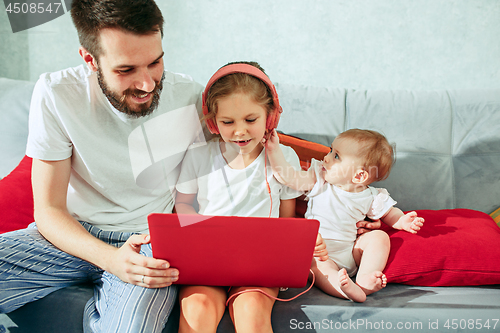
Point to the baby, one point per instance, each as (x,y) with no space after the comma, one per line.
(339,196)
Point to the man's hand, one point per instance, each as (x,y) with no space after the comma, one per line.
(366,226)
(320,251)
(132,267)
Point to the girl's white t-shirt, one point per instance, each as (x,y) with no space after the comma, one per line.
(224,191)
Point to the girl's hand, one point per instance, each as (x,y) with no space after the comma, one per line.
(271,141)
(411,222)
(320,251)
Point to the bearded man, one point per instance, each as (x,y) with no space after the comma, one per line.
(107,139)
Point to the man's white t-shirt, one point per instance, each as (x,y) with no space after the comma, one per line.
(224,191)
(123,168)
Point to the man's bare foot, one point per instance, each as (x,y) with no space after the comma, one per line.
(372,282)
(351,289)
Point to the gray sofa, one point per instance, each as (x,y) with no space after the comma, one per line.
(448,156)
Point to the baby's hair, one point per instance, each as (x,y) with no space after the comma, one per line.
(239,83)
(375,150)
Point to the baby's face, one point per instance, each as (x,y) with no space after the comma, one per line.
(342,163)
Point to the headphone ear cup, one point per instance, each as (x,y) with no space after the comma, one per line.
(270,121)
(273,118)
(212,127)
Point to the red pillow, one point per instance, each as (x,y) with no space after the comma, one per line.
(456,247)
(16,198)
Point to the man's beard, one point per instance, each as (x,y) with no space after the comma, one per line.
(120,102)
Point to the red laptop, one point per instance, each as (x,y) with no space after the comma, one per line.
(235,251)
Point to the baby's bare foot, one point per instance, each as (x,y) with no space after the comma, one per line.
(372,282)
(350,289)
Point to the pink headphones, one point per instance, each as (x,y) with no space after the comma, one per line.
(274,116)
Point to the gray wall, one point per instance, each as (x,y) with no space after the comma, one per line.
(358,44)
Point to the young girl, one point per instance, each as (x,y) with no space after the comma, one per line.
(339,197)
(230,176)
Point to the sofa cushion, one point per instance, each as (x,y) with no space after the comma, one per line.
(62,312)
(447,141)
(456,247)
(15,97)
(16,198)
(312,113)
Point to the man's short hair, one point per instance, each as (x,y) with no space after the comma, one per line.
(91,16)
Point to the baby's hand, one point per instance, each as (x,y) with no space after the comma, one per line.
(411,222)
(271,141)
(320,251)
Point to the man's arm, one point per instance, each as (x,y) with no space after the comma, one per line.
(50,181)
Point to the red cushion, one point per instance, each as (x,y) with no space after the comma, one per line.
(16,198)
(456,247)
